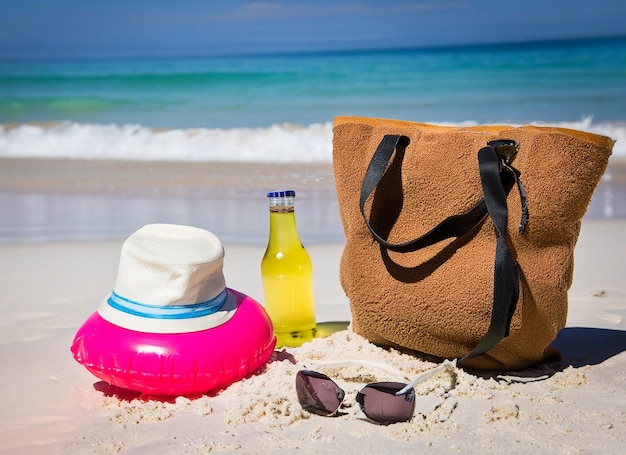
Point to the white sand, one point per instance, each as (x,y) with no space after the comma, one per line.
(50,405)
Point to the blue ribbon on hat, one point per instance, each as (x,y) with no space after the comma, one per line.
(145,310)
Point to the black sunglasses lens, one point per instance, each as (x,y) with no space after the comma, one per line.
(380,403)
(318,393)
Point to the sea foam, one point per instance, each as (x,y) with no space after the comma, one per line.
(278,143)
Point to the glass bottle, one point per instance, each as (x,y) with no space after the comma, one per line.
(287,275)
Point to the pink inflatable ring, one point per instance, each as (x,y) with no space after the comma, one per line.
(177,363)
(171,326)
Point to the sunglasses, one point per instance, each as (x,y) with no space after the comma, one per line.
(381,402)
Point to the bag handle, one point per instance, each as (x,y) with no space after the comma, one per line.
(497,178)
(453,226)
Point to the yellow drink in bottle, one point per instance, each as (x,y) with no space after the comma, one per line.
(287,275)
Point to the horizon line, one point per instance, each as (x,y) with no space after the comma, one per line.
(313,52)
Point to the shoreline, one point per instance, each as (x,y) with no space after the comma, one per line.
(64,199)
(43,200)
(65,175)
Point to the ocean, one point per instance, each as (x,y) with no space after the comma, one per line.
(267,103)
(279,108)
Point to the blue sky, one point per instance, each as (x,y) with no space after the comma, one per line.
(83,28)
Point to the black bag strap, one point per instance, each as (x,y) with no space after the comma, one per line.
(505,271)
(453,226)
(497,178)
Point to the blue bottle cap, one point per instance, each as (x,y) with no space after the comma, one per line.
(285,193)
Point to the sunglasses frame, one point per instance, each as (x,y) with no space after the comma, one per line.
(311,401)
(329,404)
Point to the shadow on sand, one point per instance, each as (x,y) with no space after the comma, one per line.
(577,347)
(580,346)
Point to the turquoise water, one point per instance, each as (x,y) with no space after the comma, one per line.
(517,83)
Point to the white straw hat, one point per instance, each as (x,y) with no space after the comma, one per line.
(170,280)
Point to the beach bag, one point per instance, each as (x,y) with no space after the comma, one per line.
(460,240)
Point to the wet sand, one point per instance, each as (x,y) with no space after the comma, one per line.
(55,199)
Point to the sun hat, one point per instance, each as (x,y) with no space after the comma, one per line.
(170,280)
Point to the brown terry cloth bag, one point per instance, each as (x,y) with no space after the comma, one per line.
(431,264)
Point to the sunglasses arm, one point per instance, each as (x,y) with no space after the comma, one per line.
(446,365)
